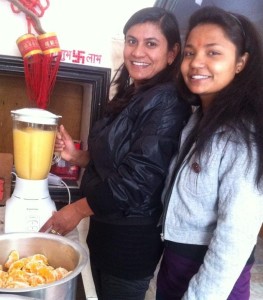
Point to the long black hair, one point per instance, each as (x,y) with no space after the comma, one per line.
(169,27)
(239,106)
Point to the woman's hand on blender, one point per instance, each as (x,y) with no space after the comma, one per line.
(67,218)
(64,144)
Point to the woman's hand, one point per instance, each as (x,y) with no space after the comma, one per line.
(64,145)
(67,218)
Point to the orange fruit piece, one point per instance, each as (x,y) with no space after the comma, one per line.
(60,273)
(47,272)
(36,280)
(16,284)
(13,256)
(3,278)
(39,257)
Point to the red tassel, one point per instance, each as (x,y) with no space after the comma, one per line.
(51,60)
(33,74)
(2,182)
(42,58)
(32,56)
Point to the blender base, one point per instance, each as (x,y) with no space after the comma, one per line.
(29,207)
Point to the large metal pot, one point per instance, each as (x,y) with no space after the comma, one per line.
(15,297)
(60,251)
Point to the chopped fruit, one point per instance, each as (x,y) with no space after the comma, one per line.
(28,271)
(13,256)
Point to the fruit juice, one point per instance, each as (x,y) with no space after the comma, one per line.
(33,152)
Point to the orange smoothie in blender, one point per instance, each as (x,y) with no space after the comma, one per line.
(33,151)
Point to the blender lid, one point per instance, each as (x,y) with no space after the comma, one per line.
(35,115)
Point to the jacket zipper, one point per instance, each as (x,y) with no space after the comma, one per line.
(169,190)
(185,150)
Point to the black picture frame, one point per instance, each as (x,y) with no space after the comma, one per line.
(97,77)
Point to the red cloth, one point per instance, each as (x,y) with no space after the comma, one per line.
(2,182)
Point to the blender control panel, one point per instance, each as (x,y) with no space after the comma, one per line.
(32,220)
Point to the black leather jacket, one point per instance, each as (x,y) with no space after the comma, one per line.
(130,156)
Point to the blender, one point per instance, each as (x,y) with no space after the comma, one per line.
(30,205)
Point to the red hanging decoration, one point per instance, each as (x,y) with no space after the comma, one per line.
(50,63)
(41,55)
(33,10)
(32,57)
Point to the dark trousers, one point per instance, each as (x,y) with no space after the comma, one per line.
(176,271)
(109,287)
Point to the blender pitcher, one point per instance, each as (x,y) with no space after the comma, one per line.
(34,134)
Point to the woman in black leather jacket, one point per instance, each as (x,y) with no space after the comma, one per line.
(130,149)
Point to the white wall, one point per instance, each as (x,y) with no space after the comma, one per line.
(82,26)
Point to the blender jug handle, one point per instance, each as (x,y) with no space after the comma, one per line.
(56,158)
